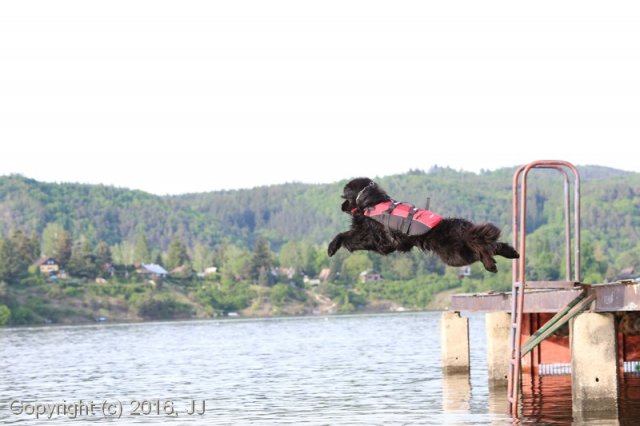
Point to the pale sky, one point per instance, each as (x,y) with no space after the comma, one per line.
(189,96)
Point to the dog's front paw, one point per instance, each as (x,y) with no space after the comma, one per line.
(334,246)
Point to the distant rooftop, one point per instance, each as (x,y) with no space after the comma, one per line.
(155,269)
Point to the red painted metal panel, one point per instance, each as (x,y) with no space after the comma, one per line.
(554,349)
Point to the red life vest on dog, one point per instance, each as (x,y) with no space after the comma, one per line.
(403,217)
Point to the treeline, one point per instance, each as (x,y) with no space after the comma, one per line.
(310,213)
(303,212)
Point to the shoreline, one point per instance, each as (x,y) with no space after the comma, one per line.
(224,318)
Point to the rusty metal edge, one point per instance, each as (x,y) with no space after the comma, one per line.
(610,297)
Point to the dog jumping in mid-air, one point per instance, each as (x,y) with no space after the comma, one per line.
(383,225)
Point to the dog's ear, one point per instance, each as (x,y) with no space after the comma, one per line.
(368,197)
(354,186)
(371,195)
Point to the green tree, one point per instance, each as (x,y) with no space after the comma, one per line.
(177,254)
(34,247)
(300,255)
(82,263)
(220,254)
(163,306)
(261,261)
(335,264)
(5,315)
(593,266)
(280,294)
(321,260)
(27,249)
(545,268)
(142,253)
(17,253)
(6,256)
(50,237)
(236,261)
(63,249)
(403,267)
(103,257)
(354,265)
(290,255)
(103,254)
(202,258)
(309,255)
(263,276)
(123,253)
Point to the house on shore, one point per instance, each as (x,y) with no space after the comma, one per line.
(153,270)
(47,265)
(370,276)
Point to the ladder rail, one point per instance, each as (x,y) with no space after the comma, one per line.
(519,204)
(513,368)
(513,371)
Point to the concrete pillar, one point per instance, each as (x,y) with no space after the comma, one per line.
(594,378)
(454,340)
(498,329)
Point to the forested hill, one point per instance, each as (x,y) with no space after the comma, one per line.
(303,212)
(294,210)
(610,201)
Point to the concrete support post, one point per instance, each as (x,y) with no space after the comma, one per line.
(594,377)
(454,339)
(498,329)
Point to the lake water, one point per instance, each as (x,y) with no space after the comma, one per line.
(351,370)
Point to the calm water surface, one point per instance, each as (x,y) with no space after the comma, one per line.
(352,370)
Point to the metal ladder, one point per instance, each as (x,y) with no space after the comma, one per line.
(517,349)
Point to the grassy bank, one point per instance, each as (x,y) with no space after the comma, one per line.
(73,301)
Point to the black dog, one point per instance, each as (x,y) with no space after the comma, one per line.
(384,226)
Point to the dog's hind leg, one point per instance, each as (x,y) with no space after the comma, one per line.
(489,264)
(505,250)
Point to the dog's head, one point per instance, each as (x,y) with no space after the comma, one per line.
(361,193)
